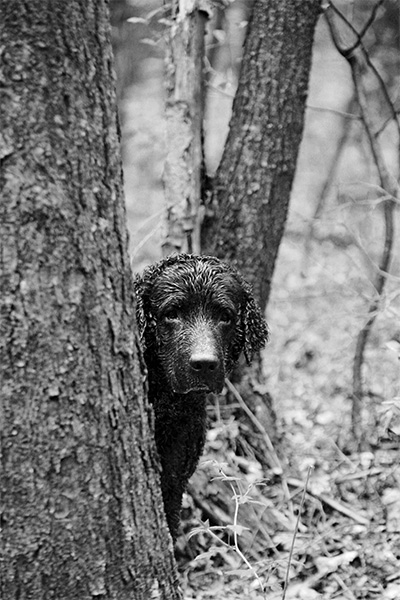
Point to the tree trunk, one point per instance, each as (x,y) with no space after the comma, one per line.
(184,127)
(252,186)
(250,195)
(81,507)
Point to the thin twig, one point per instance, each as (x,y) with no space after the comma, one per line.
(334,111)
(274,457)
(277,463)
(267,440)
(144,240)
(371,18)
(338,506)
(360,63)
(295,534)
(235,537)
(344,587)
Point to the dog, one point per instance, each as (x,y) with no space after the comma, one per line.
(196,315)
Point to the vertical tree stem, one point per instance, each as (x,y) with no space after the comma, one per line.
(184,119)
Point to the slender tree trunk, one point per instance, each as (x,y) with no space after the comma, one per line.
(184,127)
(81,507)
(251,190)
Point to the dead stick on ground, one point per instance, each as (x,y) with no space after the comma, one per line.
(338,506)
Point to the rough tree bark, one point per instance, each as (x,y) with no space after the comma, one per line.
(247,207)
(249,199)
(251,190)
(81,507)
(184,122)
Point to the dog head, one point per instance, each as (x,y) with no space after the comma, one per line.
(196,315)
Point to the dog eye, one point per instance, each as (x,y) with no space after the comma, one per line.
(171,314)
(225,316)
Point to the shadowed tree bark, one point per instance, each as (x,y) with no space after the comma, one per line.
(251,191)
(81,507)
(250,194)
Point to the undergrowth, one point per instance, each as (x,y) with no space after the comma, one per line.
(339,535)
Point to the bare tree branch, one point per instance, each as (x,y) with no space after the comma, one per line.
(349,43)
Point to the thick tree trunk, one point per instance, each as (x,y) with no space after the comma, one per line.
(81,507)
(252,186)
(251,190)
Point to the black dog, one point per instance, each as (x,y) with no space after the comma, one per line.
(196,315)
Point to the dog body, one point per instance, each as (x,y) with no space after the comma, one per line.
(196,315)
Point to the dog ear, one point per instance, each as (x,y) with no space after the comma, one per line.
(142,285)
(144,318)
(252,329)
(255,328)
(141,317)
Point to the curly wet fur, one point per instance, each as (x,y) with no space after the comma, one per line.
(196,315)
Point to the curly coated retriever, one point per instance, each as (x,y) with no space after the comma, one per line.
(196,315)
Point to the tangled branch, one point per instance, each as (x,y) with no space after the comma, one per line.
(349,42)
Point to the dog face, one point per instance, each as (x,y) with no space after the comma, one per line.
(196,316)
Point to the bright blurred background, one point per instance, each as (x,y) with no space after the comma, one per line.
(323,284)
(321,294)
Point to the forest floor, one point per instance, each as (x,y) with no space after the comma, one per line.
(347,540)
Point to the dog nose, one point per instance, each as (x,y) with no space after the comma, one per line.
(203,364)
